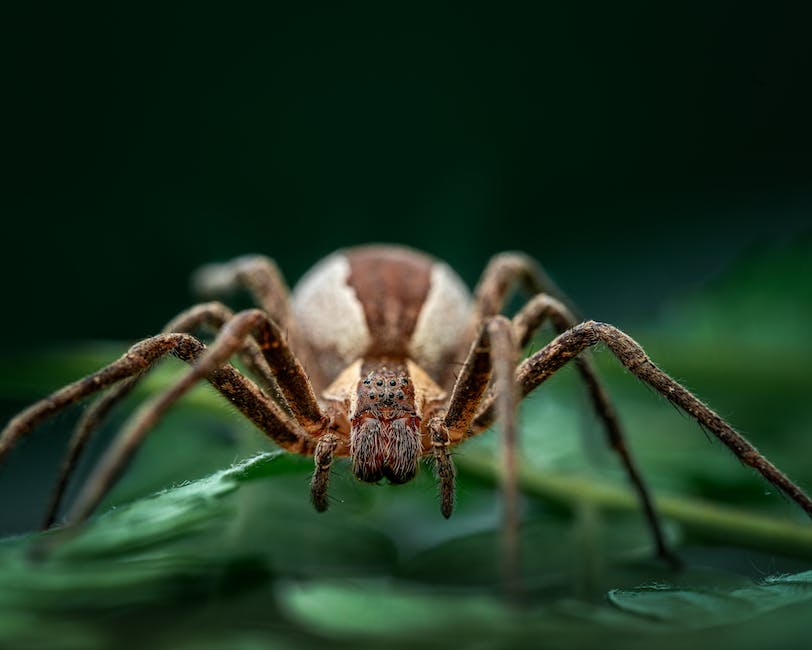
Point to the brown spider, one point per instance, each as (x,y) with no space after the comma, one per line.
(360,362)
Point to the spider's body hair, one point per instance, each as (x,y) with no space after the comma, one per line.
(380,408)
(384,321)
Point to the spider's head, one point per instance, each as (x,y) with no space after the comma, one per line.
(385,426)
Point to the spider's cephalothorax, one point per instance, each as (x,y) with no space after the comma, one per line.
(385,435)
(381,354)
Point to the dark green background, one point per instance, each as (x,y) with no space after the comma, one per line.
(638,151)
(635,150)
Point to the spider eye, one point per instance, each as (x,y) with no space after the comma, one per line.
(379,382)
(372,395)
(392,382)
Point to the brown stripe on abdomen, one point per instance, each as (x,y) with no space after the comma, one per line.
(391,284)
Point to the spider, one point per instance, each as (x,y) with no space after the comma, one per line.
(381,354)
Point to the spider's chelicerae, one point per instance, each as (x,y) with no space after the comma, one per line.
(380,354)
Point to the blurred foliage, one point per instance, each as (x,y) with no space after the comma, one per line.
(237,558)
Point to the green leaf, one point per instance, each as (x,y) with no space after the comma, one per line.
(391,612)
(691,608)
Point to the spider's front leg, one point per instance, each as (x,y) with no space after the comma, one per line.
(502,276)
(239,390)
(491,361)
(297,434)
(257,274)
(532,372)
(207,316)
(542,308)
(288,372)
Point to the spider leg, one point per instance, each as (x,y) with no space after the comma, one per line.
(239,390)
(533,371)
(445,471)
(260,276)
(213,316)
(293,384)
(505,273)
(543,307)
(136,360)
(504,353)
(494,352)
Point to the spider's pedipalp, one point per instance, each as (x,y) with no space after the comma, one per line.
(323,459)
(445,471)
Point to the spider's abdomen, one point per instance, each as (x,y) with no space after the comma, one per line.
(381,301)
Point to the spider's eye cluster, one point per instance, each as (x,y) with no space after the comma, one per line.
(385,429)
(387,388)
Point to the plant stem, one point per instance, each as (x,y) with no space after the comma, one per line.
(700,519)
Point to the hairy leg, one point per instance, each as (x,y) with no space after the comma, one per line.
(492,356)
(509,271)
(239,390)
(292,381)
(208,316)
(260,276)
(533,371)
(525,323)
(257,274)
(504,274)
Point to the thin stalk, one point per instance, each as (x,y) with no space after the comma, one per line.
(701,520)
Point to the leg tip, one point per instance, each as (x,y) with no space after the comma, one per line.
(447,508)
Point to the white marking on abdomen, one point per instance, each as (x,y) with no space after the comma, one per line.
(330,315)
(442,320)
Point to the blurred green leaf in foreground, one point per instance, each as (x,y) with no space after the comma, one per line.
(237,558)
